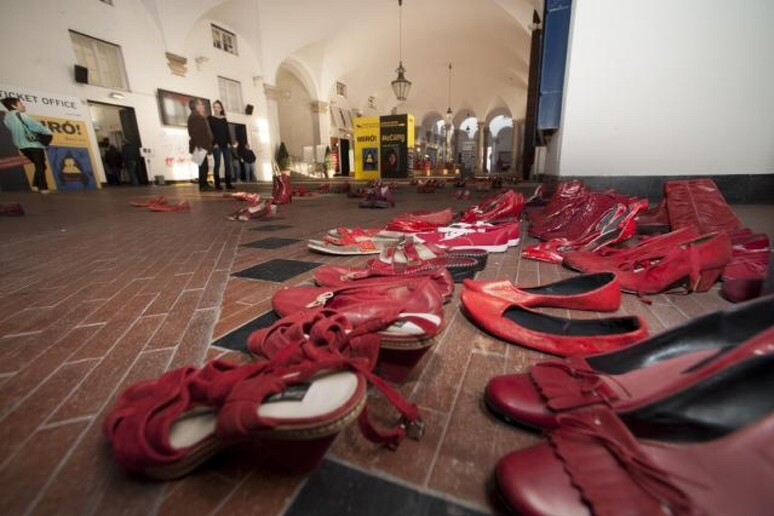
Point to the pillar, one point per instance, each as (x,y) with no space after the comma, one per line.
(322,123)
(518,127)
(272,116)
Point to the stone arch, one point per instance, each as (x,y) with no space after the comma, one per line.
(295,94)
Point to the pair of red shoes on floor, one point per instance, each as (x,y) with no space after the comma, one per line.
(506,311)
(506,207)
(681,423)
(284,410)
(161,204)
(683,258)
(264,209)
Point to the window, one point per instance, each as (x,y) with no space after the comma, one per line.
(341,89)
(224,40)
(231,95)
(104,61)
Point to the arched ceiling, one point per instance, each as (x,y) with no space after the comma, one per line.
(356,42)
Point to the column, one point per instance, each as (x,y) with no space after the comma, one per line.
(322,125)
(272,116)
(481,137)
(518,127)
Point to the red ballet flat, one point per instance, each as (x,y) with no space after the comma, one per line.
(549,334)
(600,292)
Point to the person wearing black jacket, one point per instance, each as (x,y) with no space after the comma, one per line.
(200,138)
(248,157)
(221,140)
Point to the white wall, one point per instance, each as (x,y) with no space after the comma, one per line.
(48,65)
(295,114)
(668,87)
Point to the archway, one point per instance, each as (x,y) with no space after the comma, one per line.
(296,119)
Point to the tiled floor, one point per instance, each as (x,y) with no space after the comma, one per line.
(96,295)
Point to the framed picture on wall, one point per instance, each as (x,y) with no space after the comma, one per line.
(173,108)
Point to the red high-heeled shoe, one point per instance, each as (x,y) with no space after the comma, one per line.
(555,335)
(594,464)
(600,292)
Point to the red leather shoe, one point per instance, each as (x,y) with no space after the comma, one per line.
(159,200)
(493,241)
(335,277)
(411,313)
(505,207)
(555,335)
(745,274)
(600,292)
(594,464)
(412,222)
(181,206)
(637,379)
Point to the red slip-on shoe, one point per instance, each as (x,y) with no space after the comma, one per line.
(600,292)
(159,200)
(594,464)
(624,379)
(11,209)
(549,334)
(507,206)
(181,206)
(437,218)
(332,276)
(494,241)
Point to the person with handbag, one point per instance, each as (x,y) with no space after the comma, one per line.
(30,137)
(200,139)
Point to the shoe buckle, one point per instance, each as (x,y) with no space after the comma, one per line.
(321,300)
(415,429)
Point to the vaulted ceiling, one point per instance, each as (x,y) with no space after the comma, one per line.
(357,42)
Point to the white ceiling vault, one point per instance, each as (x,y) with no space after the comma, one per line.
(356,42)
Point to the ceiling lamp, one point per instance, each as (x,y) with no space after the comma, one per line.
(401,86)
(449,114)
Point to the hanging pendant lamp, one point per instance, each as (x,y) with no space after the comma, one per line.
(401,86)
(449,114)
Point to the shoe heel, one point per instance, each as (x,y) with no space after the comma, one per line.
(289,456)
(395,365)
(707,278)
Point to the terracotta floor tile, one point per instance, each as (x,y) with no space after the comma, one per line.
(18,425)
(200,493)
(27,473)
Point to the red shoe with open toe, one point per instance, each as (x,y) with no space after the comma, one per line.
(286,411)
(600,292)
(550,334)
(411,314)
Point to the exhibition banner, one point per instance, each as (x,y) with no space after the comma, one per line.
(393,141)
(72,155)
(366,149)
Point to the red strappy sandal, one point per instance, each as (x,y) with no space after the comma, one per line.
(287,410)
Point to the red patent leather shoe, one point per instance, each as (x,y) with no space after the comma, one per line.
(640,376)
(696,265)
(505,207)
(412,222)
(594,464)
(549,334)
(600,292)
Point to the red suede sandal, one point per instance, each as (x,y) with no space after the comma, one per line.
(287,410)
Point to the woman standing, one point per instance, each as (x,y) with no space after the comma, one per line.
(21,126)
(200,138)
(222,144)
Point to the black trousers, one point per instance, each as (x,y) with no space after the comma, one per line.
(38,158)
(204,170)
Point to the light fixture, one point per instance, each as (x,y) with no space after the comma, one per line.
(116,95)
(401,86)
(449,114)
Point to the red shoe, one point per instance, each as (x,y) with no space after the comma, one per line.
(411,313)
(594,464)
(160,200)
(615,226)
(624,380)
(335,277)
(413,222)
(514,229)
(288,409)
(11,209)
(548,334)
(745,274)
(181,206)
(505,207)
(493,241)
(600,292)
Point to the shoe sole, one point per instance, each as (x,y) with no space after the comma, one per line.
(487,248)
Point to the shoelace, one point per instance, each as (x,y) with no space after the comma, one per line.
(610,433)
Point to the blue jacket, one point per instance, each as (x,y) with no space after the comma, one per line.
(19,132)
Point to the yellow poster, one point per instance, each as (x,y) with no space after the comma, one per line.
(367,149)
(70,156)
